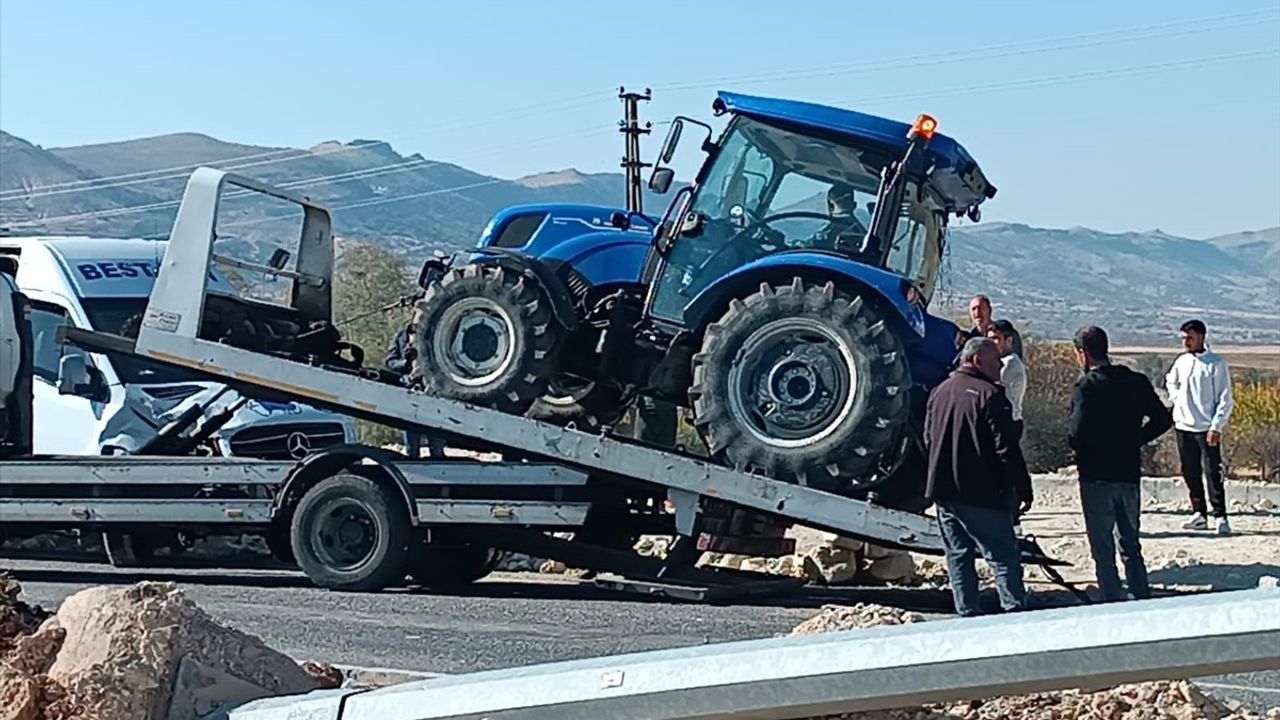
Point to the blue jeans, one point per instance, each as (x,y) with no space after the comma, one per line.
(1111,512)
(966,531)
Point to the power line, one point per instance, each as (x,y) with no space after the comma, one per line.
(28,195)
(1055,79)
(1022,47)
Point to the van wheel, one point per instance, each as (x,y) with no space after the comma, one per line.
(351,533)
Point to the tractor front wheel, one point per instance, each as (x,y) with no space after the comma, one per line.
(587,404)
(486,336)
(802,383)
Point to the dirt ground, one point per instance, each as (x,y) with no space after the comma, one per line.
(1175,557)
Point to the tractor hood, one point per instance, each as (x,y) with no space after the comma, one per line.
(953,174)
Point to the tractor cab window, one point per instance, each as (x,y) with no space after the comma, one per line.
(916,250)
(768,190)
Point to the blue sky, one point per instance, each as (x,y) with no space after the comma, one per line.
(1113,115)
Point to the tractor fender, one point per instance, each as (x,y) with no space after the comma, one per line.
(781,267)
(554,290)
(384,468)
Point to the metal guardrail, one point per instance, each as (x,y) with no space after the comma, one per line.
(877,668)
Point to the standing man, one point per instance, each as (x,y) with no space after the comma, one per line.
(1199,385)
(977,477)
(1013,372)
(980,314)
(1114,412)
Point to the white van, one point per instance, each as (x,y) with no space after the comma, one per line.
(102,284)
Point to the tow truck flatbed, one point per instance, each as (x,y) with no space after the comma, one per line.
(606,489)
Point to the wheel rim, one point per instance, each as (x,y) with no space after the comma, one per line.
(473,341)
(344,535)
(793,382)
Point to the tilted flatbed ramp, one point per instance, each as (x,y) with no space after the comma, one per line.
(686,478)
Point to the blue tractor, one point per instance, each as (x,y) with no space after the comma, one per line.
(782,297)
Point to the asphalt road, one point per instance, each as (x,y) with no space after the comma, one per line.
(501,624)
(509,621)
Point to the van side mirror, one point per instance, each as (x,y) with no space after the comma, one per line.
(660,180)
(279,258)
(76,377)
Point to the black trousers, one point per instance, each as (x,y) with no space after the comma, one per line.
(1201,463)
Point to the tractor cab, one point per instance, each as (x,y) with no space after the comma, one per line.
(788,178)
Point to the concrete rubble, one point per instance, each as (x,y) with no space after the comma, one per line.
(1165,700)
(143,652)
(829,559)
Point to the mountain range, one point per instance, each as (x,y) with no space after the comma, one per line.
(1139,285)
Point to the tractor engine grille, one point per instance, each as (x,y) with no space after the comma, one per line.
(286,442)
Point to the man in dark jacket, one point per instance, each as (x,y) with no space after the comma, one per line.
(977,477)
(1114,412)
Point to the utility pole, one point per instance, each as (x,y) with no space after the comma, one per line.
(630,126)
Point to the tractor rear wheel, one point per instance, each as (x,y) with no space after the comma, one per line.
(486,336)
(802,383)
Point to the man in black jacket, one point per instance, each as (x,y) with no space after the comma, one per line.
(977,477)
(1114,412)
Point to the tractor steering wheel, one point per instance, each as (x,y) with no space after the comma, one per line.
(756,227)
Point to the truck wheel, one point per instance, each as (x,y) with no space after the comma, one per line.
(587,404)
(439,566)
(802,383)
(486,336)
(351,533)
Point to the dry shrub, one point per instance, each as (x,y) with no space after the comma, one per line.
(1253,436)
(1046,409)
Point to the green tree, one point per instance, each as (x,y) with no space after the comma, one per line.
(367,279)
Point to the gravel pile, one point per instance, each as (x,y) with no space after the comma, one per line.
(1167,700)
(862,615)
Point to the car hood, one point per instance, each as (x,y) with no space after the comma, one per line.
(147,408)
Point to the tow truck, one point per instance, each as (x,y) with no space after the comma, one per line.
(361,518)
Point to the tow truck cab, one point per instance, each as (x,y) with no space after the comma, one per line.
(103,284)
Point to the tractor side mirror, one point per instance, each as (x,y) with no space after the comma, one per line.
(76,377)
(671,141)
(433,269)
(660,180)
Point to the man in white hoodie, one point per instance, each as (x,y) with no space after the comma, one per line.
(1199,385)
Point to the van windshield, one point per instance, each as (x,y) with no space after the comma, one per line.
(121,316)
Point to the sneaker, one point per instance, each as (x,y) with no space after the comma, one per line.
(1197,522)
(1224,528)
